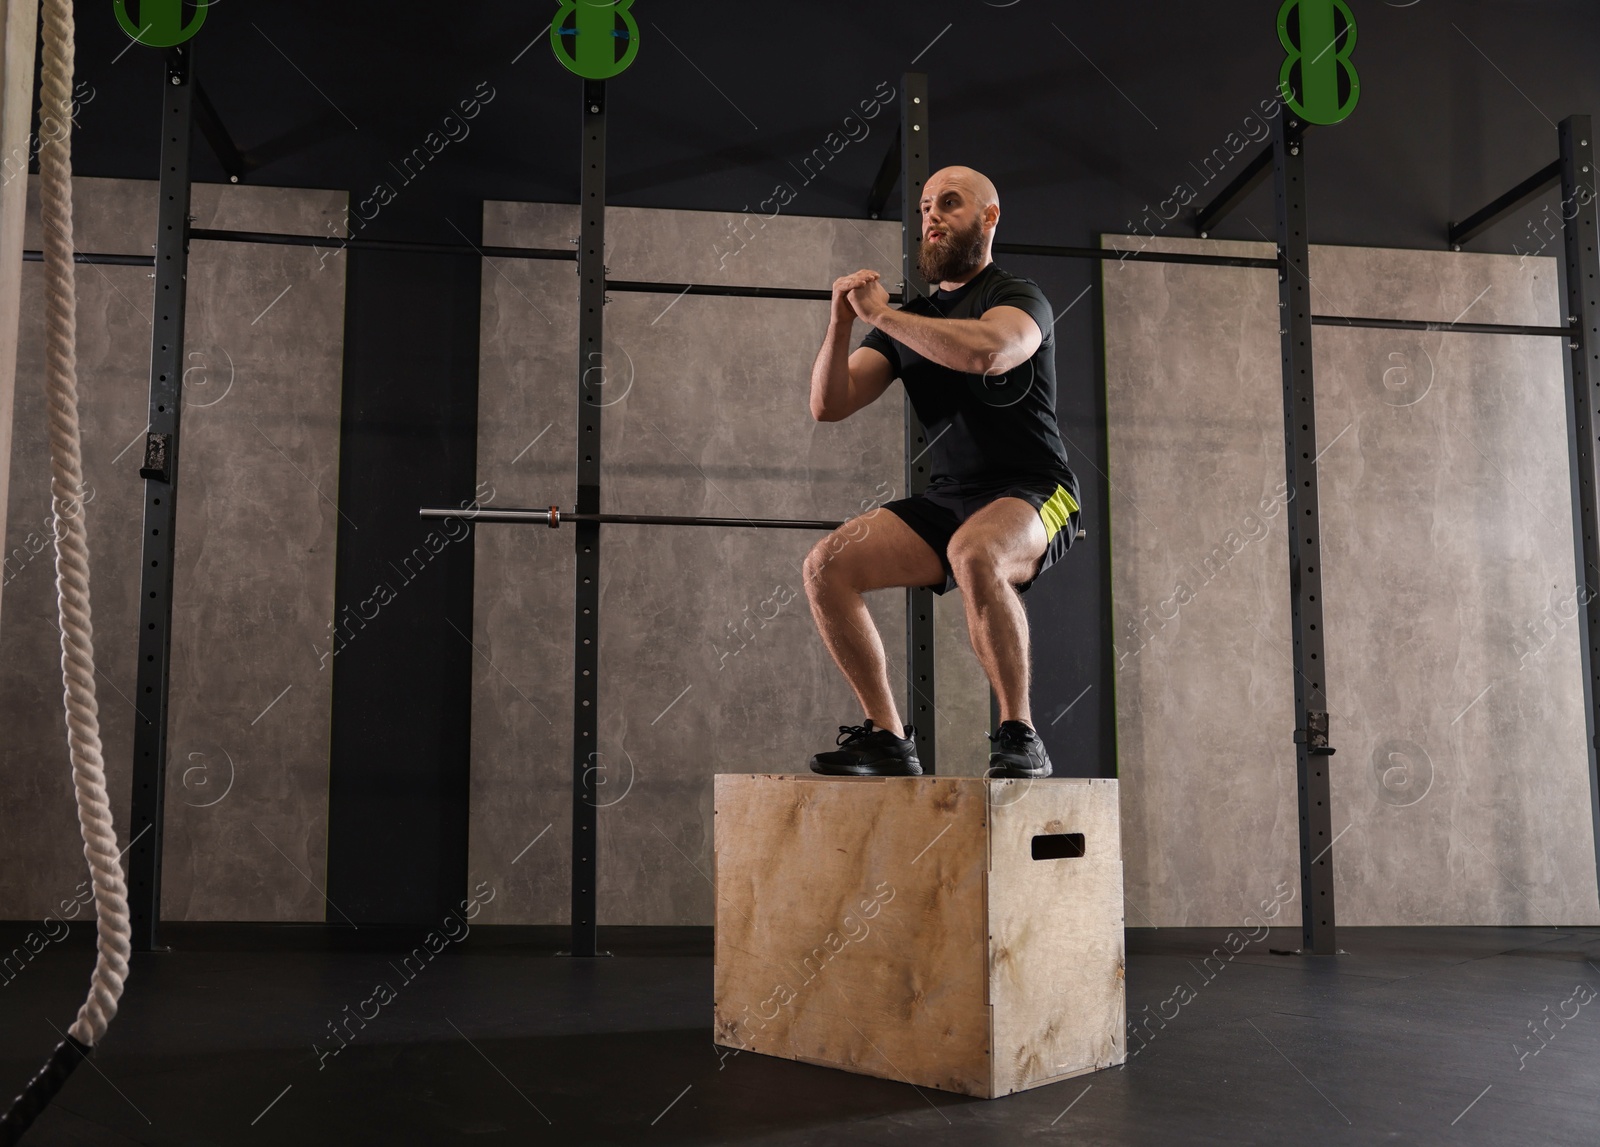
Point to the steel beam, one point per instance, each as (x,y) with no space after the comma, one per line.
(920,710)
(1312,751)
(1582,299)
(160,474)
(586,759)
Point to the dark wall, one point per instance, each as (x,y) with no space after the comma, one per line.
(1086,117)
(402,685)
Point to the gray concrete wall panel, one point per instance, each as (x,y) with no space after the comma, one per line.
(247,775)
(1459,788)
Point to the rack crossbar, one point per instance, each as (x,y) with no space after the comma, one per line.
(1484,218)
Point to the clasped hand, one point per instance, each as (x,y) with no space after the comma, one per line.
(862,293)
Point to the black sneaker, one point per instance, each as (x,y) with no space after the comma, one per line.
(868,752)
(1017,752)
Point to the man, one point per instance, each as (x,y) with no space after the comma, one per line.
(977,359)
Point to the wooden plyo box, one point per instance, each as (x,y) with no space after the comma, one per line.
(903,927)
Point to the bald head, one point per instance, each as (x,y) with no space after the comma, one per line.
(960,209)
(977,186)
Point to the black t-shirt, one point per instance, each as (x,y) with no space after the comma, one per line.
(984,430)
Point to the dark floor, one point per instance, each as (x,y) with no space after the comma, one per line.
(1415,1035)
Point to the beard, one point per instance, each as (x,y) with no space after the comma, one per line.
(955,256)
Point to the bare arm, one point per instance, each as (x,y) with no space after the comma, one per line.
(1003,338)
(842,382)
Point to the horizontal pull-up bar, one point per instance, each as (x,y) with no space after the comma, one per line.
(802,293)
(1480,221)
(103,260)
(338,243)
(554,516)
(1104,254)
(1428,325)
(396,245)
(719,289)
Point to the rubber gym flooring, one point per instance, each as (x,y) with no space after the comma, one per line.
(1413,1035)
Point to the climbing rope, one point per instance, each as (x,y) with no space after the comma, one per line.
(72,580)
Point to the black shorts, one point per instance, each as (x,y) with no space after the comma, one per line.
(937,513)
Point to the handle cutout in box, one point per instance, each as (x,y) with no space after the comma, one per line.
(1058,846)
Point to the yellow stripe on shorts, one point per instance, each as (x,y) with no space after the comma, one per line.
(1056,510)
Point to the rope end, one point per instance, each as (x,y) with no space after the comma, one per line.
(41,1089)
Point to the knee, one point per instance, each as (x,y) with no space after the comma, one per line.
(821,569)
(973,565)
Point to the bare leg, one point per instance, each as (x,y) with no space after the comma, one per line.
(994,550)
(874,551)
